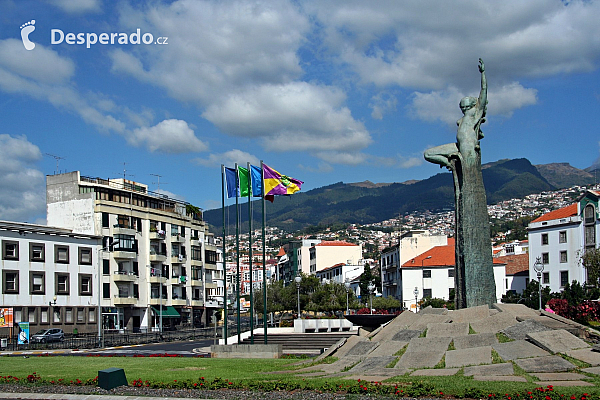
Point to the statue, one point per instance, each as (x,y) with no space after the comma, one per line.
(474,274)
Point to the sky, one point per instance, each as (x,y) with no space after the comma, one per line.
(323,91)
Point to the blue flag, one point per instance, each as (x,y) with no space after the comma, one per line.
(230,178)
(256,174)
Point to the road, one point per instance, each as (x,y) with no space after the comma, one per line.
(186,349)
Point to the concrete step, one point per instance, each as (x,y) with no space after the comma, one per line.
(302,342)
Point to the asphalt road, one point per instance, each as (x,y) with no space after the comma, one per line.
(186,349)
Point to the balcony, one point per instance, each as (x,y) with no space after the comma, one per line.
(211,267)
(157,235)
(155,301)
(195,241)
(197,303)
(213,303)
(178,259)
(157,279)
(124,300)
(390,266)
(178,280)
(210,285)
(179,302)
(177,239)
(119,229)
(123,253)
(124,276)
(196,282)
(390,282)
(157,257)
(210,246)
(197,263)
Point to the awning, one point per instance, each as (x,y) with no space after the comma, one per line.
(167,312)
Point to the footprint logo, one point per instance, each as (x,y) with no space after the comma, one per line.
(26,29)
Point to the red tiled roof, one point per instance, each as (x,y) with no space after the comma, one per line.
(332,267)
(281,252)
(439,256)
(515,263)
(565,212)
(335,243)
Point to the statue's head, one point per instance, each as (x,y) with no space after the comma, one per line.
(467,102)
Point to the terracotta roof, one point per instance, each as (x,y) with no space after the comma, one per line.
(332,267)
(439,256)
(515,263)
(281,252)
(335,243)
(565,212)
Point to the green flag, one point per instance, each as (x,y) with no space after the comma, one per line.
(243,177)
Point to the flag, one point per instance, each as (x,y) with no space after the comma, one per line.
(256,175)
(243,177)
(230,178)
(277,184)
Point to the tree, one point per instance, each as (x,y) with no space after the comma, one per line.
(590,260)
(366,278)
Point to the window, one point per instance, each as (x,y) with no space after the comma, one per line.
(589,214)
(106,290)
(106,267)
(37,282)
(80,315)
(85,256)
(105,221)
(10,250)
(62,283)
(545,258)
(10,282)
(56,317)
(563,256)
(85,285)
(44,315)
(92,315)
(37,252)
(211,256)
(564,278)
(174,230)
(544,238)
(69,315)
(31,315)
(562,237)
(427,293)
(546,278)
(61,254)
(197,253)
(426,274)
(124,242)
(451,273)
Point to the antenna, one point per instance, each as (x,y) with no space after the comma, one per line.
(57,158)
(125,174)
(158,182)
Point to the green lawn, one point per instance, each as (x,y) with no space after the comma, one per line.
(249,373)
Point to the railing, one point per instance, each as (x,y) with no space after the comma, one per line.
(116,338)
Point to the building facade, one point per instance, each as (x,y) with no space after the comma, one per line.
(156,253)
(50,277)
(559,239)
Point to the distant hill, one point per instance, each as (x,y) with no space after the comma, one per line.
(563,175)
(368,203)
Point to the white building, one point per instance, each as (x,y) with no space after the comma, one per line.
(340,273)
(431,274)
(411,244)
(152,245)
(560,237)
(327,253)
(50,277)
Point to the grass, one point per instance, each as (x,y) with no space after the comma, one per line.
(423,334)
(574,361)
(248,370)
(451,346)
(502,338)
(471,330)
(496,359)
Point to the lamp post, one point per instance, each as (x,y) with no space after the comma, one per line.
(538,266)
(371,288)
(298,279)
(347,284)
(53,302)
(416,293)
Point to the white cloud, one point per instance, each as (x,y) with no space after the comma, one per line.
(382,103)
(320,168)
(168,136)
(229,158)
(22,186)
(77,6)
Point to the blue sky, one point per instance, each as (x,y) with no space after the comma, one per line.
(322,91)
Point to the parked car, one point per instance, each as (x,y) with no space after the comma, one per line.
(48,335)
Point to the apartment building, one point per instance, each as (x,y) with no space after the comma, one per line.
(49,277)
(559,238)
(156,252)
(327,253)
(410,245)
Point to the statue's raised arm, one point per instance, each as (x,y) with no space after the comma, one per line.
(482,101)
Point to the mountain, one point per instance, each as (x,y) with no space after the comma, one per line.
(368,203)
(563,175)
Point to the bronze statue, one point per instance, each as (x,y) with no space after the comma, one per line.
(474,274)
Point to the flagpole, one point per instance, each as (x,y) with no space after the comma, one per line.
(250,253)
(224,263)
(237,249)
(264,259)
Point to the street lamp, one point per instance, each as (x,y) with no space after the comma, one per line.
(371,288)
(53,302)
(539,267)
(416,293)
(347,284)
(298,279)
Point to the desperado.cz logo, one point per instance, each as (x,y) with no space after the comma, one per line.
(57,36)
